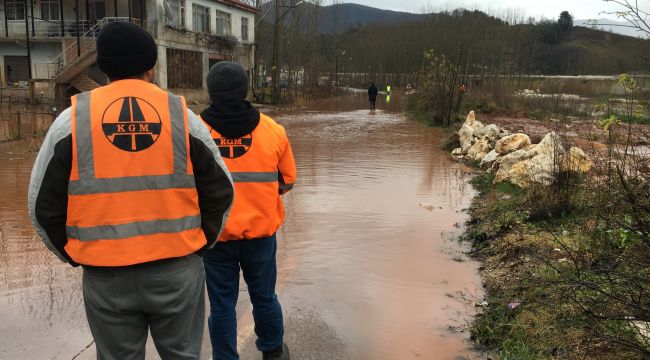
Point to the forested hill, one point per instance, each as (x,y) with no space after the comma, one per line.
(472,38)
(335,18)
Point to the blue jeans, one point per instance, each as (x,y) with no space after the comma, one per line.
(257,261)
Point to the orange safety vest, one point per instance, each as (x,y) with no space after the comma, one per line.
(262,167)
(131,195)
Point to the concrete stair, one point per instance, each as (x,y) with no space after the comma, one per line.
(77,67)
(83,82)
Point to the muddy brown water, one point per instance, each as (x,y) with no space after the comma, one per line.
(368,262)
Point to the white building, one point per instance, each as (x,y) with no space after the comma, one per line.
(191,36)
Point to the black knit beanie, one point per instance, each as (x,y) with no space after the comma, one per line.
(227,82)
(125,49)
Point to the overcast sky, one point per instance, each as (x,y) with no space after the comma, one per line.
(581,9)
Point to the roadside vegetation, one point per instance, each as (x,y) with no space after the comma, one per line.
(566,266)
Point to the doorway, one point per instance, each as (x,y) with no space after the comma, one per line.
(16,69)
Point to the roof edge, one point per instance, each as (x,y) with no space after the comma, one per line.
(239,4)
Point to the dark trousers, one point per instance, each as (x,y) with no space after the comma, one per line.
(373,104)
(256,258)
(165,297)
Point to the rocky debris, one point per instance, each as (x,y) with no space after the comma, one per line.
(489,159)
(575,160)
(466,133)
(511,143)
(479,150)
(551,145)
(489,132)
(513,158)
(503,165)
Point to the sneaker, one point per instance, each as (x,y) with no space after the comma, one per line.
(281,353)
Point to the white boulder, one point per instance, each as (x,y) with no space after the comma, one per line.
(575,160)
(512,143)
(478,150)
(551,145)
(503,164)
(489,159)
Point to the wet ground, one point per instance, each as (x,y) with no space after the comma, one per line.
(369,266)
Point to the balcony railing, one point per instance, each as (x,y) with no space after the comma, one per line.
(52,28)
(87,41)
(45,28)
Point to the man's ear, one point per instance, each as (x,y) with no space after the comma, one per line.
(149,75)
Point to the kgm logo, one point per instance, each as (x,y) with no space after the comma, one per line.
(234,148)
(131,124)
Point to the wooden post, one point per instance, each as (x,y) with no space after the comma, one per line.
(18,118)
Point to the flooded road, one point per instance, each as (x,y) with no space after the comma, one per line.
(368,262)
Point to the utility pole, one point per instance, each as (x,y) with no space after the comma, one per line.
(6,22)
(29,51)
(61,18)
(76,12)
(276,48)
(275,66)
(31,2)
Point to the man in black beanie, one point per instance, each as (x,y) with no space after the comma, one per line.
(257,152)
(130,185)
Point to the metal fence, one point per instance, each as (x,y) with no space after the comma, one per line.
(23,124)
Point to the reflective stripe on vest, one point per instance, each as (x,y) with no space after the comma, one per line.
(257,209)
(120,212)
(255,176)
(133,229)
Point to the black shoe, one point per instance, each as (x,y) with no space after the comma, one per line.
(281,353)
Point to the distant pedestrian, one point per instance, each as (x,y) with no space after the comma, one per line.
(129,185)
(388,89)
(372,96)
(258,154)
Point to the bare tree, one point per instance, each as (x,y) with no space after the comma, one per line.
(632,13)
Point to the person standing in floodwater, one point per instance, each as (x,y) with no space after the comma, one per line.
(372,96)
(130,185)
(258,154)
(388,89)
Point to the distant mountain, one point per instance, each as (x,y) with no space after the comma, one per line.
(342,17)
(617,27)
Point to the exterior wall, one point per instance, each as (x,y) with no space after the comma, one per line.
(236,16)
(46,51)
(42,54)
(52,29)
(169,38)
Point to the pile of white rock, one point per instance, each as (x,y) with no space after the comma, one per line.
(513,158)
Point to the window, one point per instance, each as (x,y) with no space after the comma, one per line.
(176,16)
(200,18)
(50,9)
(244,29)
(15,9)
(184,69)
(223,23)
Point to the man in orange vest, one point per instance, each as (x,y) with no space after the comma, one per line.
(258,154)
(130,185)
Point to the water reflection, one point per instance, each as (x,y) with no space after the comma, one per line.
(365,272)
